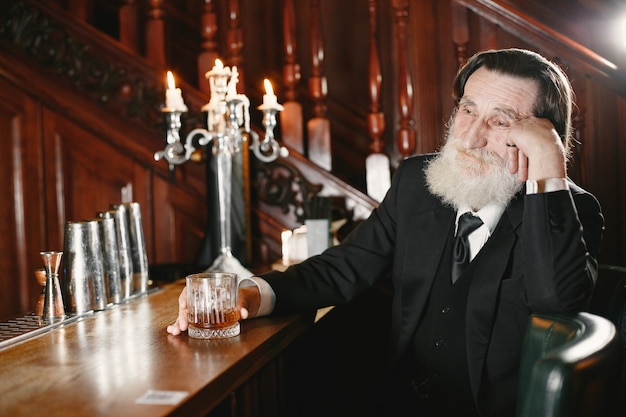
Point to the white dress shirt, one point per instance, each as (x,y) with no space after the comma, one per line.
(490,215)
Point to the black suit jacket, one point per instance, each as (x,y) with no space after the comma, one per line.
(540,258)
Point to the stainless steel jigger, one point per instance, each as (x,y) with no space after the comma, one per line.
(53,309)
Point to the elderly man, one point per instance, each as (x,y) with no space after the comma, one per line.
(474,239)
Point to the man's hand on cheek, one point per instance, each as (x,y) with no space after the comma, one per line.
(535,150)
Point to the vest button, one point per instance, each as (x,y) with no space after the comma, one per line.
(445,310)
(439,343)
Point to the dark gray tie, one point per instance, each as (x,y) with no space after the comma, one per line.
(461,250)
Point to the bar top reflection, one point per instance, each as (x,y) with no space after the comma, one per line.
(110,362)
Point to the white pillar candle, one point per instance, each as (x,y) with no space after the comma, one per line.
(270,101)
(173,96)
(269,98)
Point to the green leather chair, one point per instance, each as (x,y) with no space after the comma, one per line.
(570,367)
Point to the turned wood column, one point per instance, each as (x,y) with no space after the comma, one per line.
(376,118)
(319,148)
(405,136)
(234,41)
(377,168)
(128,17)
(460,32)
(209,46)
(155,33)
(291,117)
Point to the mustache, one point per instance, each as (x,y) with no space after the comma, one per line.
(483,156)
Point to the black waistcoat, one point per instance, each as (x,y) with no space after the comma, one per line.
(439,342)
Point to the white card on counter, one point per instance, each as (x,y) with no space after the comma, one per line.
(162,397)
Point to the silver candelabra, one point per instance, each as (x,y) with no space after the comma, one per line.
(228,125)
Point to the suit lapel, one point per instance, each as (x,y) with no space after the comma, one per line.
(421,259)
(488,270)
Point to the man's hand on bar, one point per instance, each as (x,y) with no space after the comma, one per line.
(248,298)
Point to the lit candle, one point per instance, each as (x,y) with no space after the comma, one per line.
(218,70)
(173,96)
(232,84)
(269,98)
(270,101)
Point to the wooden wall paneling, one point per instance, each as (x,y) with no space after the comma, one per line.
(430,113)
(602,155)
(85,175)
(488,35)
(179,223)
(140,188)
(22,228)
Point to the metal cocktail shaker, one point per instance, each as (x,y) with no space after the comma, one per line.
(83,284)
(123,249)
(131,212)
(110,258)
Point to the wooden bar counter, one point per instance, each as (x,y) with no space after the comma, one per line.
(104,363)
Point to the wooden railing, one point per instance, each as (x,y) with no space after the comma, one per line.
(528,27)
(144,28)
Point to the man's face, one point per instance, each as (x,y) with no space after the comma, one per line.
(471,169)
(491,103)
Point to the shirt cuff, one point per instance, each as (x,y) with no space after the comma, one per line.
(546,186)
(268,297)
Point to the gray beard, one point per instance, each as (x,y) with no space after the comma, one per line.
(461,183)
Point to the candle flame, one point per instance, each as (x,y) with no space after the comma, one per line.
(268,87)
(170,81)
(219,64)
